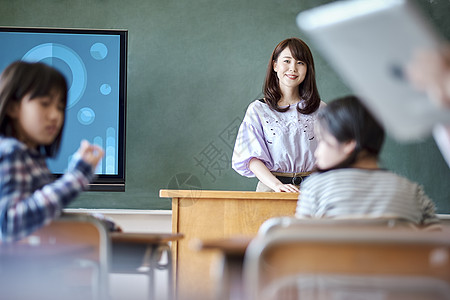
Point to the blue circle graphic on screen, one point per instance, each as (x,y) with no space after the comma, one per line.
(105,89)
(51,53)
(86,116)
(99,51)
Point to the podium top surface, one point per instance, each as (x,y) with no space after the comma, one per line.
(208,194)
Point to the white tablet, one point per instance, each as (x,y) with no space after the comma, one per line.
(369,42)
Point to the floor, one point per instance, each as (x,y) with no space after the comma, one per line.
(136,287)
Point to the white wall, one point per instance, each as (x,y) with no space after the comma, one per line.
(150,221)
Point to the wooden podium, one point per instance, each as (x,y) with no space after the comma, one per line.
(205,215)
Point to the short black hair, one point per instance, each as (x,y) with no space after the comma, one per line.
(348,119)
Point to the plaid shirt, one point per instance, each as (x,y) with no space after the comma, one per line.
(29,195)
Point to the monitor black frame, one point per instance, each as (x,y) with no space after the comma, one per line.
(102,182)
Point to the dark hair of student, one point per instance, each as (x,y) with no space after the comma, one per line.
(307,89)
(347,119)
(37,80)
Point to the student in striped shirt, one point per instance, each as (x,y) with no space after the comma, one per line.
(349,183)
(33,99)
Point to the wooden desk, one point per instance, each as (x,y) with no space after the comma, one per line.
(203,215)
(140,253)
(229,281)
(341,260)
(329,251)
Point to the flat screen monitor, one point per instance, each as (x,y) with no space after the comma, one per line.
(94,63)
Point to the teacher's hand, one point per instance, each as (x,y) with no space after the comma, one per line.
(288,188)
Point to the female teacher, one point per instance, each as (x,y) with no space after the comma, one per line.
(276,140)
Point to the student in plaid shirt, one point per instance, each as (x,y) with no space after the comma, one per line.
(33,99)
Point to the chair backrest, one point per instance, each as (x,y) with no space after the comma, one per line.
(281,223)
(350,250)
(73,251)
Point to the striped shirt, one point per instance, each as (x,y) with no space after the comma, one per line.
(29,196)
(366,193)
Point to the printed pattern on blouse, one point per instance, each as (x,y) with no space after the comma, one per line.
(291,125)
(284,142)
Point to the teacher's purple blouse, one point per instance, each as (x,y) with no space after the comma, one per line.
(285,142)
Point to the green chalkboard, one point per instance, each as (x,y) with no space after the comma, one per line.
(193,67)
